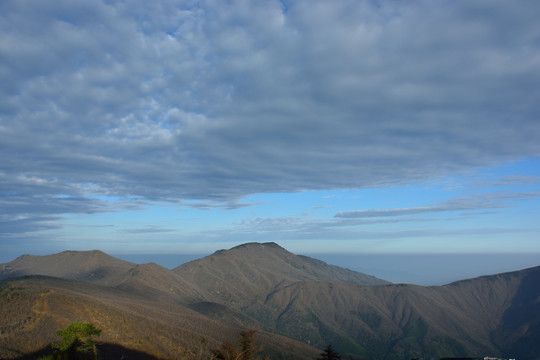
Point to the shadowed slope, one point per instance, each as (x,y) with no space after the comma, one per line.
(403,321)
(519,330)
(106,351)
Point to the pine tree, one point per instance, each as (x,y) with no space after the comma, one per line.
(248,348)
(77,337)
(248,345)
(329,354)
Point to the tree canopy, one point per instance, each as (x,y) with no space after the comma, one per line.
(77,337)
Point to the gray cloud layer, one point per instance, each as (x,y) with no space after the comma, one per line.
(213,101)
(495,200)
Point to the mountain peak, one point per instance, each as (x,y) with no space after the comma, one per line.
(258,245)
(83,252)
(252,244)
(253,269)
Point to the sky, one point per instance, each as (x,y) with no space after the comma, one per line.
(328,127)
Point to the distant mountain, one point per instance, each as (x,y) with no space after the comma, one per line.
(157,282)
(254,270)
(99,268)
(90,266)
(297,302)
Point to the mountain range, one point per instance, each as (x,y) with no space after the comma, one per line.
(298,305)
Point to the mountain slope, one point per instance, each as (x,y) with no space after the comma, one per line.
(264,286)
(397,321)
(266,260)
(91,266)
(99,268)
(519,328)
(310,301)
(157,282)
(33,308)
(251,271)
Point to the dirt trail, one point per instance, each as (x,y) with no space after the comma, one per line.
(40,308)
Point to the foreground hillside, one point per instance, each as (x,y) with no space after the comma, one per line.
(34,307)
(299,304)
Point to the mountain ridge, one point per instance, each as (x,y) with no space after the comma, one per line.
(264,286)
(93,266)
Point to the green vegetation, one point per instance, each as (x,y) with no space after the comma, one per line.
(76,343)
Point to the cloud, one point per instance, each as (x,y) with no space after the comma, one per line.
(147,230)
(511,180)
(390,212)
(371,226)
(450,206)
(214,101)
(336,231)
(495,200)
(229,205)
(15,225)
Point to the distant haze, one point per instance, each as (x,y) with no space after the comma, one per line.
(432,269)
